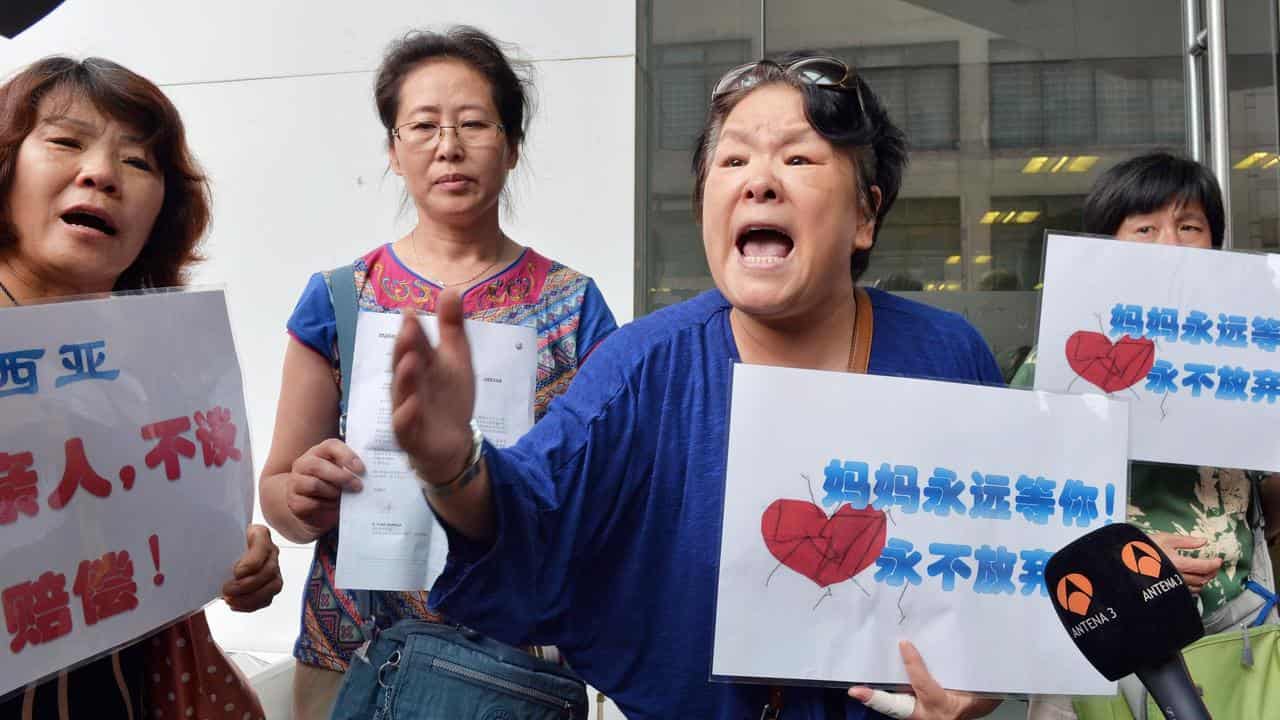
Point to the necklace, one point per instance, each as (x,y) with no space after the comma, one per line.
(9,295)
(413,242)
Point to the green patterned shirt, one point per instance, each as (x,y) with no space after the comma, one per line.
(1211,503)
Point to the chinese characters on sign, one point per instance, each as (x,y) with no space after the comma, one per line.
(215,432)
(122,428)
(19,373)
(1228,382)
(1188,337)
(1035,499)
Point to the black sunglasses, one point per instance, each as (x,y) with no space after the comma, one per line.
(819,71)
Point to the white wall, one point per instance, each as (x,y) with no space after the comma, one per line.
(277,97)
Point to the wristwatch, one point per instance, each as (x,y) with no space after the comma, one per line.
(463,478)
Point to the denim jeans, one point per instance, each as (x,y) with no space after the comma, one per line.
(427,671)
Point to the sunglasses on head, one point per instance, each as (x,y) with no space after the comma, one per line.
(819,71)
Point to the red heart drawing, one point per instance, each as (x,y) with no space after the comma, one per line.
(827,550)
(1111,367)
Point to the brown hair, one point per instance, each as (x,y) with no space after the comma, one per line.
(135,101)
(853,121)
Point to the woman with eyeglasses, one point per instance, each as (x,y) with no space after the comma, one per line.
(455,112)
(599,531)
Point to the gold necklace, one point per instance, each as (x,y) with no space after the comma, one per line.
(413,242)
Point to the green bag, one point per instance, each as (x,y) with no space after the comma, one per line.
(1231,691)
(1237,670)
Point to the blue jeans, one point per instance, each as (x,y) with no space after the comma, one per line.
(426,671)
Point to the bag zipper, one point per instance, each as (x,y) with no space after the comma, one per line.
(513,688)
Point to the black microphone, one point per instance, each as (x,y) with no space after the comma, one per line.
(1129,611)
(18,15)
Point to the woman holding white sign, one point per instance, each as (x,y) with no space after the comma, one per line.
(598,532)
(454,111)
(100,194)
(1207,520)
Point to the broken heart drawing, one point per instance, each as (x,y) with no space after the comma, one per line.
(827,550)
(1107,365)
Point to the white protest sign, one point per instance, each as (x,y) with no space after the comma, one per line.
(864,510)
(126,481)
(1187,337)
(390,538)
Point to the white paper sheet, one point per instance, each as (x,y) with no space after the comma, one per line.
(143,393)
(389,538)
(825,444)
(1182,310)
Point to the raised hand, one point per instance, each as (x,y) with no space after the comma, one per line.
(433,393)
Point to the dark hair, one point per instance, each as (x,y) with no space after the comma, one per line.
(508,79)
(1147,183)
(133,100)
(877,147)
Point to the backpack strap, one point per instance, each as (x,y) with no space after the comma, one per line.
(344,296)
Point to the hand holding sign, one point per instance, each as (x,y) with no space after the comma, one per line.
(257,573)
(930,702)
(1196,571)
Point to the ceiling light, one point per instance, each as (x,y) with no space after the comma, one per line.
(1082,163)
(1035,164)
(1251,160)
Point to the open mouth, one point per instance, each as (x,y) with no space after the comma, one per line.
(89,220)
(764,244)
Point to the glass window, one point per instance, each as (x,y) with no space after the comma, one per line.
(1012,111)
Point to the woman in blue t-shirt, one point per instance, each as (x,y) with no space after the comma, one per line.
(599,531)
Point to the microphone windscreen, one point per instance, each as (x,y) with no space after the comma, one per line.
(18,15)
(1121,600)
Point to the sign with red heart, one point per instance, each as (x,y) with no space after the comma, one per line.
(1110,366)
(1186,337)
(861,509)
(827,550)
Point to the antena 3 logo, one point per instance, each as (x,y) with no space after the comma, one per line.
(18,15)
(1075,595)
(1144,560)
(1141,558)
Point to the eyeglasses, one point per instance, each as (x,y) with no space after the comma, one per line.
(421,133)
(820,71)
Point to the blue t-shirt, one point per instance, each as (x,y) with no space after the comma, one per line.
(608,512)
